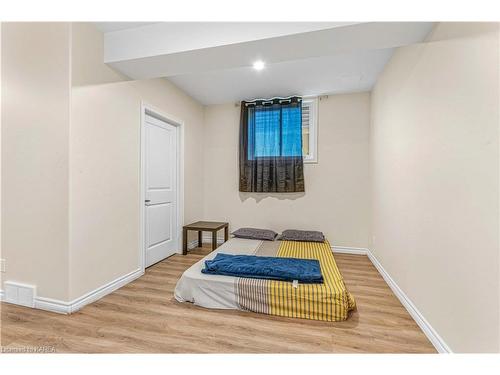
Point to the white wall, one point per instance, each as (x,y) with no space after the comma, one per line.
(104,162)
(435,163)
(35,155)
(336,200)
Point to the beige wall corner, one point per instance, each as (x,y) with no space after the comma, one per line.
(35,155)
(336,200)
(435,169)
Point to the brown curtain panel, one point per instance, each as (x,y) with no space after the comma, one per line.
(270,150)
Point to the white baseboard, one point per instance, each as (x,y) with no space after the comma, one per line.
(52,305)
(106,289)
(63,307)
(350,250)
(424,325)
(205,238)
(1,295)
(192,244)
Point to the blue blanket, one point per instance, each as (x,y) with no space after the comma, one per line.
(256,267)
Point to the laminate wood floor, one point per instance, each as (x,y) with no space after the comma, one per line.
(144,317)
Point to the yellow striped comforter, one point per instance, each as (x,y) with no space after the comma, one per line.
(330,301)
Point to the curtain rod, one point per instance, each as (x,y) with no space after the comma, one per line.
(325,96)
(247,102)
(276,97)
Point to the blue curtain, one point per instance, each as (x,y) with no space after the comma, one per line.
(271,146)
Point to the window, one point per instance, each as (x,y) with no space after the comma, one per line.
(310,130)
(277,132)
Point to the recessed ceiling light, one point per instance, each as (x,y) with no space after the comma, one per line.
(259,65)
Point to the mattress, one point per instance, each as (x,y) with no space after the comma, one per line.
(329,301)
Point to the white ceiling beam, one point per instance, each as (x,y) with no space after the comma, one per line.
(166,38)
(228,54)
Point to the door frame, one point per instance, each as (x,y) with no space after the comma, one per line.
(147,109)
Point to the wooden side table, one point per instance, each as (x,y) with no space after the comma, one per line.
(204,226)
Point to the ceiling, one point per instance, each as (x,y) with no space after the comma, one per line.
(352,72)
(212,62)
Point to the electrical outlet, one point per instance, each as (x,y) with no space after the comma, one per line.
(2,265)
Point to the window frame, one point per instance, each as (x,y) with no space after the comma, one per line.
(312,157)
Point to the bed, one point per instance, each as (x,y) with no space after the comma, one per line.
(329,301)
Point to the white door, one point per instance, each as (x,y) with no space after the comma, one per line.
(161,190)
